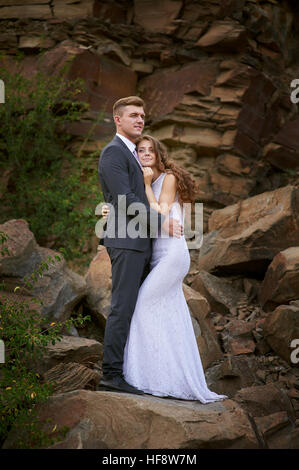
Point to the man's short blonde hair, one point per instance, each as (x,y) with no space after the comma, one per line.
(119,105)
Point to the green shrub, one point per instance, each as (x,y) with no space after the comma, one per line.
(54,190)
(21,389)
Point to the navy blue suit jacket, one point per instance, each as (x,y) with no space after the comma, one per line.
(122,183)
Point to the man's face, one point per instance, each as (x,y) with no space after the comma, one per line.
(130,122)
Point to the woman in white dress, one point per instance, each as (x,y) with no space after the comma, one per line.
(161,355)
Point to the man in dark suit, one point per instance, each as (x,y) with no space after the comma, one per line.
(122,183)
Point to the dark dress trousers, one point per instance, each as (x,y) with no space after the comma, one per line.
(122,183)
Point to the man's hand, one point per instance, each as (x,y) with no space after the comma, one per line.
(173,227)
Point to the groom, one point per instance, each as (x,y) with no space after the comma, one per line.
(122,183)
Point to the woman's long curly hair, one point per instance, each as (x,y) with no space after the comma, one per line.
(186,186)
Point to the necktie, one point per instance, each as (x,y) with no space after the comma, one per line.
(136,156)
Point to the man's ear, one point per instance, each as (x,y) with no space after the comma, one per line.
(116,119)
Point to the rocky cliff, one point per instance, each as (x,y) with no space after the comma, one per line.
(216,77)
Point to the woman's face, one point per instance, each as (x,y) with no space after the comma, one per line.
(146,153)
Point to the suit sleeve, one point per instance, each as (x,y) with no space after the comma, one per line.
(114,170)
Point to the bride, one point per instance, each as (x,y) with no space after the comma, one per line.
(161,355)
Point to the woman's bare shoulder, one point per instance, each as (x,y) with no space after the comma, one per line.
(170,179)
(169,186)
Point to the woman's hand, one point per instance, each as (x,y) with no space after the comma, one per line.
(148,175)
(105,210)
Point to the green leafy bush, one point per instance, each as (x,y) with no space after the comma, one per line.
(54,190)
(21,389)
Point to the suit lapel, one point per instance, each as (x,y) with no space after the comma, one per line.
(128,152)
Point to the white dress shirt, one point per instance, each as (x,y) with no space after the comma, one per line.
(131,146)
(128,142)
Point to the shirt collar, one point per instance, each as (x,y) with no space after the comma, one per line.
(131,146)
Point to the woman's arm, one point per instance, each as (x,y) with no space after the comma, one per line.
(167,195)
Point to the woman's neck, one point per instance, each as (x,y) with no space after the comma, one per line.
(156,172)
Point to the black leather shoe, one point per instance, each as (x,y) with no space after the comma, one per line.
(118,384)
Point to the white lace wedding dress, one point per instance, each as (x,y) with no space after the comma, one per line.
(161,355)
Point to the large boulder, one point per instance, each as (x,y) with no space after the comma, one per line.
(272,412)
(245,237)
(99,281)
(70,349)
(205,333)
(22,248)
(222,296)
(233,374)
(281,328)
(71,376)
(281,282)
(59,288)
(237,337)
(144,422)
(198,304)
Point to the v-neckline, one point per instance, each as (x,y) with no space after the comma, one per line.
(158,178)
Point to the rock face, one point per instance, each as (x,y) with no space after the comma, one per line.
(224,35)
(215,78)
(156,18)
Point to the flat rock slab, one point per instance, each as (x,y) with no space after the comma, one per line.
(99,419)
